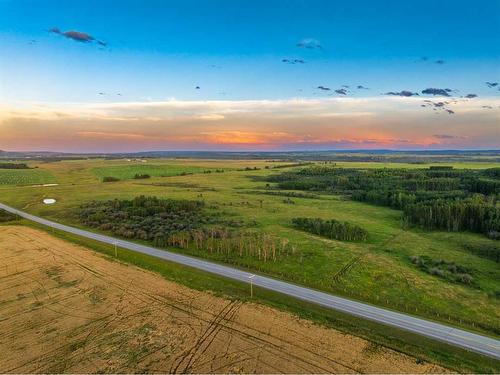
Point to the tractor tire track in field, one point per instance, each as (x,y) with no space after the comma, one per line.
(118,318)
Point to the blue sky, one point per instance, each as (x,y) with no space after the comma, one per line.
(233,50)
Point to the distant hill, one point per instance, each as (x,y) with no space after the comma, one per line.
(420,156)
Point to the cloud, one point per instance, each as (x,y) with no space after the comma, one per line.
(309,43)
(77,36)
(293,61)
(434,91)
(450,112)
(491,84)
(341,91)
(448,136)
(470,96)
(439,62)
(402,93)
(323,88)
(340,122)
(361,87)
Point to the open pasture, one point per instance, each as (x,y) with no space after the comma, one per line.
(127,172)
(25,177)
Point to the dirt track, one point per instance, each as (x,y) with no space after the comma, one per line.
(64,308)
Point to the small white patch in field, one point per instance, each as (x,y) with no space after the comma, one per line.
(49,201)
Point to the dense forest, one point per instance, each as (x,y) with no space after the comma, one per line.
(433,198)
(333,229)
(144,218)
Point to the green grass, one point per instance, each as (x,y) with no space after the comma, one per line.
(25,177)
(127,172)
(382,274)
(401,341)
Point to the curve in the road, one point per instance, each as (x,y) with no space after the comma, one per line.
(467,340)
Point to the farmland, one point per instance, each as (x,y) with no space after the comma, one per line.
(91,313)
(380,270)
(25,177)
(127,172)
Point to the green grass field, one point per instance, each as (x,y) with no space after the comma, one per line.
(127,172)
(25,177)
(382,273)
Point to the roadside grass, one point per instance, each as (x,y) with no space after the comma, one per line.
(420,347)
(25,177)
(378,271)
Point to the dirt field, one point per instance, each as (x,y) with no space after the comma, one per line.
(64,308)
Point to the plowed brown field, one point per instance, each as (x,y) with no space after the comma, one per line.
(65,308)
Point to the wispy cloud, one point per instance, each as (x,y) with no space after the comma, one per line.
(343,122)
(309,43)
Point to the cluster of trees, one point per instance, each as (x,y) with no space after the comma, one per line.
(474,214)
(228,244)
(7,216)
(144,218)
(441,268)
(434,198)
(334,229)
(181,223)
(14,166)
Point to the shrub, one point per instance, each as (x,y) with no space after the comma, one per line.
(110,179)
(141,176)
(443,269)
(7,216)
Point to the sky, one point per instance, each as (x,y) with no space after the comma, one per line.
(116,76)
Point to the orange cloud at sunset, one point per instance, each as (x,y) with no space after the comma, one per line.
(341,123)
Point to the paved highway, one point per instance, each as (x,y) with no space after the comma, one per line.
(470,341)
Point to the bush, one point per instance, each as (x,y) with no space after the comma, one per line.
(141,176)
(110,179)
(443,269)
(493,234)
(7,216)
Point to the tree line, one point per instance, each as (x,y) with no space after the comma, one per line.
(333,229)
(14,166)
